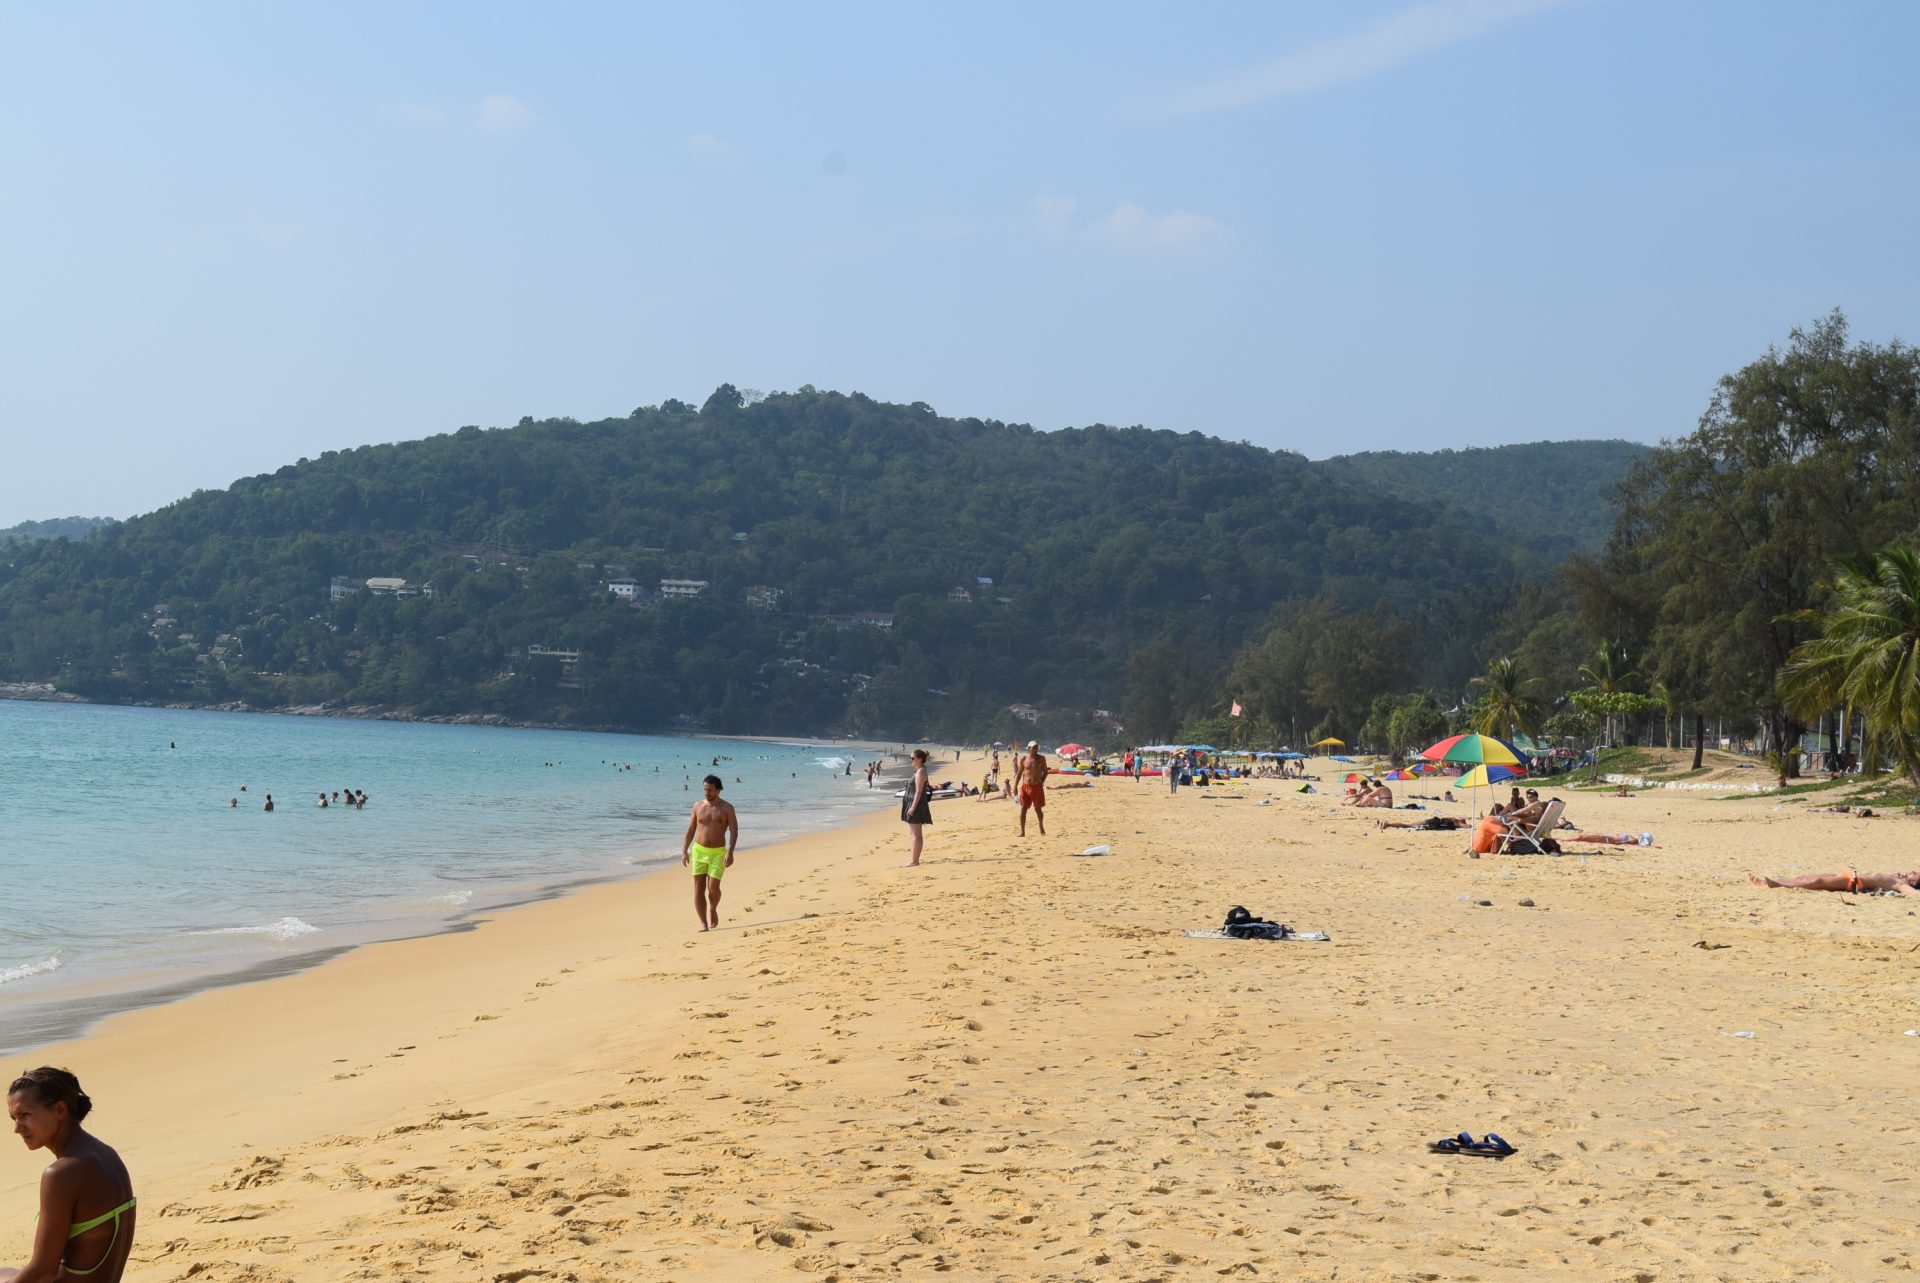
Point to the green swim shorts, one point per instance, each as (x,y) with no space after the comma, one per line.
(710,860)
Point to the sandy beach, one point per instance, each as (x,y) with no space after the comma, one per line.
(1010,1064)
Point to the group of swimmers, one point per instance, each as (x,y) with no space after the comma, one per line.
(355,799)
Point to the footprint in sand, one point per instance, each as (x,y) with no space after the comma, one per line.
(262,1170)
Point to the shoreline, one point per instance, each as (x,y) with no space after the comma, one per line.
(256,1053)
(68,1005)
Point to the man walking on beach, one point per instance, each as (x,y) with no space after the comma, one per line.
(713,822)
(1033,787)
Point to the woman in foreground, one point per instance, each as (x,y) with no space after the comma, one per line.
(85,1227)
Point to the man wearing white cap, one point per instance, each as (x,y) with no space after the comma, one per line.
(1033,787)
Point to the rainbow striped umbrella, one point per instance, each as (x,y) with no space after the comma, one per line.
(1354,778)
(1399,775)
(1483,775)
(1474,750)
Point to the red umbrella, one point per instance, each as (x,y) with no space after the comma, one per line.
(1072,750)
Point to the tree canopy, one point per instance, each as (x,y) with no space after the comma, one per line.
(866,566)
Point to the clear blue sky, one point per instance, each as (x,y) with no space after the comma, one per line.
(235,234)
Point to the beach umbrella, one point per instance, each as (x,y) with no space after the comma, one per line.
(1398,775)
(1474,749)
(1329,742)
(1353,777)
(1482,776)
(1072,750)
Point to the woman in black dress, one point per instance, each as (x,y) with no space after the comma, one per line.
(916,808)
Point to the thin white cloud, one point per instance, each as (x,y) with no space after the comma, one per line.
(1132,227)
(1050,215)
(706,144)
(503,113)
(420,114)
(1394,40)
(946,227)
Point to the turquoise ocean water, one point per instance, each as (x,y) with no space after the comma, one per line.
(129,879)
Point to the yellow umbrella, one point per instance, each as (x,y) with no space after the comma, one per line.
(1329,740)
(1485,775)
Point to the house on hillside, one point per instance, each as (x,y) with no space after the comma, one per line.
(569,663)
(388,586)
(682,587)
(624,589)
(959,593)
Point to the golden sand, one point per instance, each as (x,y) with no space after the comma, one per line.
(1010,1064)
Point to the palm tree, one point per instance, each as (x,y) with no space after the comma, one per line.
(1868,655)
(1609,674)
(1508,704)
(1659,691)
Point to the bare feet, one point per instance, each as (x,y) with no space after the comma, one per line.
(911,864)
(1759,881)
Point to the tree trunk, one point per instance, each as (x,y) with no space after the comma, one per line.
(1699,738)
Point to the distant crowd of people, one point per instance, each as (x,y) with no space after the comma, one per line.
(354,798)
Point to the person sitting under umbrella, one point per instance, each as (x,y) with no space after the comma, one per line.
(1372,793)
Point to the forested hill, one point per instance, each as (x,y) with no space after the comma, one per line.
(1551,498)
(867,567)
(56,528)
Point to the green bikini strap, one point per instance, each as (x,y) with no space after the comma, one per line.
(76,1230)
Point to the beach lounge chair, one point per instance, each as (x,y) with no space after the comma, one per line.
(1543,828)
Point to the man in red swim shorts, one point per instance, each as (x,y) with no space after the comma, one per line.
(1033,787)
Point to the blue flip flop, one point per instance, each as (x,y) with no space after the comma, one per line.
(1492,1146)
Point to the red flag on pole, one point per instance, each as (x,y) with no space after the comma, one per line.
(1236,709)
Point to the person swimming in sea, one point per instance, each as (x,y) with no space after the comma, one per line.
(86,1220)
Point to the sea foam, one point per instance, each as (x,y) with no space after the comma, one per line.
(29,969)
(283,929)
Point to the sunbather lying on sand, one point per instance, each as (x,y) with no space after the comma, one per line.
(1609,839)
(1852,880)
(1433,823)
(1864,812)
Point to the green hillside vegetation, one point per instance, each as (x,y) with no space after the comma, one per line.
(55,528)
(802,513)
(1760,577)
(1552,498)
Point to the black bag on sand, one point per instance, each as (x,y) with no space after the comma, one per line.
(1242,925)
